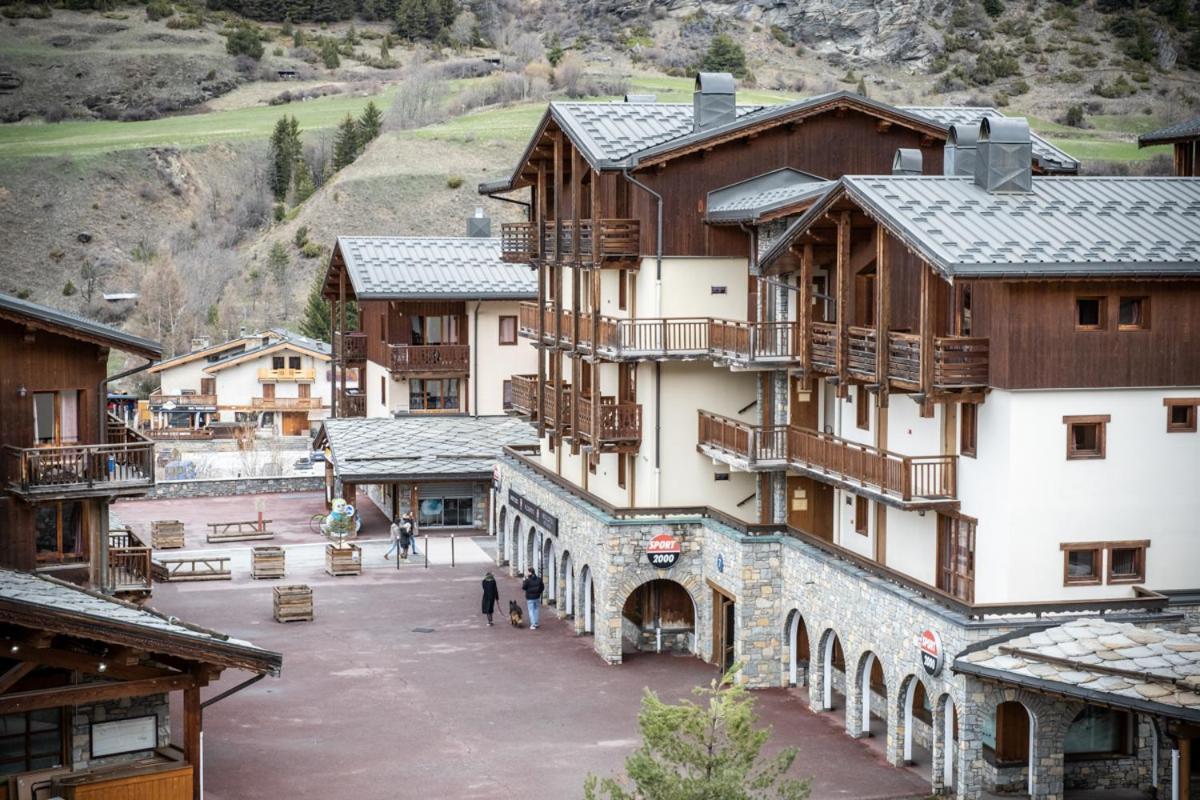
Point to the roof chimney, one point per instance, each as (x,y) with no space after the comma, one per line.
(960,154)
(479,226)
(200,343)
(1005,155)
(714,101)
(241,331)
(907,162)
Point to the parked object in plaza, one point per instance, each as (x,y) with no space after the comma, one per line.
(246,531)
(167,534)
(293,603)
(194,568)
(267,562)
(344,559)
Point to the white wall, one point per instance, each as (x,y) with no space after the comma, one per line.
(397,392)
(491,362)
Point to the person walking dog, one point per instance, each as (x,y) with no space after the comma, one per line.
(533,588)
(491,596)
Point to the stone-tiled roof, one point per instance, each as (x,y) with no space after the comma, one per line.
(748,200)
(412,447)
(433,268)
(27,599)
(1049,157)
(1184,130)
(1117,663)
(87,329)
(1065,227)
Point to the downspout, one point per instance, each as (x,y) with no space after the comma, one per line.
(475,361)
(658,259)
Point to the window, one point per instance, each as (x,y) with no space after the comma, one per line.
(1089,313)
(862,510)
(446,512)
(508,330)
(433,395)
(56,417)
(508,396)
(31,740)
(862,408)
(293,362)
(60,534)
(1181,414)
(277,362)
(1127,562)
(383,389)
(956,557)
(1081,564)
(434,330)
(969,435)
(1086,436)
(1133,314)
(622,290)
(621,467)
(1098,731)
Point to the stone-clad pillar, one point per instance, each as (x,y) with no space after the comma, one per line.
(759,645)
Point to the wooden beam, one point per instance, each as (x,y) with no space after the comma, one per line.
(87,693)
(883,126)
(843,301)
(804,312)
(80,662)
(10,678)
(883,312)
(193,724)
(926,328)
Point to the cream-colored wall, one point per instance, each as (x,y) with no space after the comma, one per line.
(397,394)
(491,362)
(912,544)
(686,288)
(186,376)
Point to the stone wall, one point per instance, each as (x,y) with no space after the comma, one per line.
(227,487)
(126,708)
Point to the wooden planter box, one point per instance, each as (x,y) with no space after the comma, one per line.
(345,560)
(293,603)
(266,562)
(166,534)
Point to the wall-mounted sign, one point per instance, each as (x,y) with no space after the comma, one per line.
(720,562)
(534,512)
(663,551)
(124,736)
(929,644)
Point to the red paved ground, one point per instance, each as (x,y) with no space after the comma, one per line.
(368,708)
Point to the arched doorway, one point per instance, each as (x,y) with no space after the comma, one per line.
(659,616)
(531,552)
(587,600)
(798,651)
(872,689)
(515,544)
(549,571)
(917,723)
(502,537)
(833,672)
(1010,735)
(947,734)
(568,577)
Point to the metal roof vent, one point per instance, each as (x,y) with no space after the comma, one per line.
(1004,155)
(641,98)
(907,162)
(714,101)
(959,157)
(479,226)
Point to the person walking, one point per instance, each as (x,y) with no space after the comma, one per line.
(491,596)
(406,537)
(412,529)
(533,588)
(394,538)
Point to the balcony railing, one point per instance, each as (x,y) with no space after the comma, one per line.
(861,352)
(619,240)
(904,358)
(618,423)
(285,403)
(824,346)
(642,338)
(180,434)
(191,399)
(352,404)
(80,470)
(430,359)
(562,420)
(524,394)
(753,342)
(960,362)
(518,242)
(268,375)
(356,346)
(129,560)
(825,456)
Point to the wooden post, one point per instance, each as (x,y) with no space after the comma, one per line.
(192,726)
(556,277)
(342,317)
(334,405)
(540,394)
(804,312)
(926,361)
(883,314)
(843,301)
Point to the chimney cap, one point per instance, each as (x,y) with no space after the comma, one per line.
(963,135)
(907,161)
(715,83)
(1004,130)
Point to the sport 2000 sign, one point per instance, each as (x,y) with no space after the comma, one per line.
(663,551)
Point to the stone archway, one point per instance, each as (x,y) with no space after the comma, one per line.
(1014,747)
(514,544)
(946,763)
(912,724)
(568,584)
(833,670)
(659,615)
(502,537)
(587,601)
(549,570)
(797,651)
(870,686)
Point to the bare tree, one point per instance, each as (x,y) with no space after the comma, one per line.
(527,47)
(464,30)
(568,74)
(418,101)
(163,306)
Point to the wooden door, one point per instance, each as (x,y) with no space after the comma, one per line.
(268,391)
(724,629)
(305,390)
(208,386)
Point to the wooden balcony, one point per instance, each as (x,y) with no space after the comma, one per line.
(754,343)
(285,403)
(356,347)
(823,336)
(862,353)
(619,242)
(560,422)
(524,394)
(180,434)
(429,359)
(904,481)
(619,425)
(157,400)
(129,568)
(352,404)
(518,242)
(80,470)
(959,362)
(266,375)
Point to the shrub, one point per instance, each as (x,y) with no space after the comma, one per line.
(1018,88)
(1120,87)
(280,212)
(329,54)
(1074,116)
(781,36)
(1000,99)
(69,288)
(186,22)
(159,9)
(244,42)
(301,237)
(311,250)
(454,181)
(994,8)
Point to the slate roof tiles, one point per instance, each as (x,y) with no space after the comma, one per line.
(433,268)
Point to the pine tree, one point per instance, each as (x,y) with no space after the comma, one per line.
(302,182)
(370,122)
(315,322)
(278,262)
(703,751)
(283,152)
(384,53)
(724,55)
(412,19)
(345,143)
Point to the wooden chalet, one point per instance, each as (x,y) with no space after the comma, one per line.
(1185,139)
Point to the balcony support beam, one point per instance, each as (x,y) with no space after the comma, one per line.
(926,361)
(804,309)
(883,313)
(843,302)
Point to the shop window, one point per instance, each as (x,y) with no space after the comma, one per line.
(1098,732)
(446,512)
(1089,313)
(1127,562)
(31,740)
(862,408)
(862,510)
(508,330)
(1081,564)
(1086,436)
(60,532)
(1181,414)
(969,435)
(1133,314)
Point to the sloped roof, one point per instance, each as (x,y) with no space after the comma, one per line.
(1181,131)
(34,601)
(385,448)
(204,352)
(67,324)
(433,268)
(294,341)
(1049,157)
(1065,227)
(1116,663)
(748,200)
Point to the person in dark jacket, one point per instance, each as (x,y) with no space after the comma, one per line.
(533,588)
(491,596)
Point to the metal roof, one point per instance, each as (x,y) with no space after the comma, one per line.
(65,322)
(1065,227)
(386,448)
(1116,663)
(1181,131)
(433,268)
(296,341)
(748,200)
(1048,157)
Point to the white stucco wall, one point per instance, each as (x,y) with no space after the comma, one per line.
(491,362)
(181,377)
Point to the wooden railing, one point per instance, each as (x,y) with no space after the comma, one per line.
(285,403)
(129,562)
(560,421)
(905,477)
(824,346)
(352,404)
(158,399)
(72,469)
(286,374)
(904,358)
(641,337)
(524,394)
(960,362)
(753,341)
(618,422)
(181,434)
(861,352)
(518,242)
(356,346)
(412,359)
(117,432)
(619,239)
(527,320)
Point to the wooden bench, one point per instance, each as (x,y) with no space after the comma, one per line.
(293,603)
(254,530)
(166,534)
(266,562)
(196,568)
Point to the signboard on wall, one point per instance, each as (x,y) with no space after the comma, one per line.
(535,513)
(929,644)
(663,551)
(124,736)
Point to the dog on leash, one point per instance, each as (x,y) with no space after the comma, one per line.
(514,614)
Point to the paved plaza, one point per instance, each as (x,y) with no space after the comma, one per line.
(398,689)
